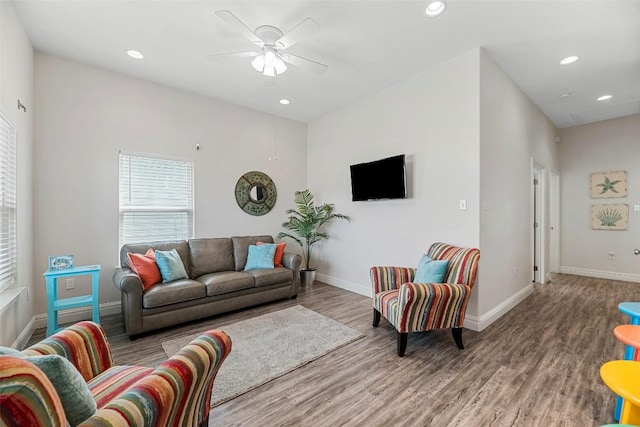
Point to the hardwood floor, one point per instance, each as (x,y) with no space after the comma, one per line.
(536,366)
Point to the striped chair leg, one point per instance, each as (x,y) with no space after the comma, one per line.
(457,337)
(376,317)
(402,343)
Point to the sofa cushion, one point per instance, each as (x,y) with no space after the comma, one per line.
(211,256)
(271,276)
(140,248)
(226,281)
(112,382)
(241,248)
(173,292)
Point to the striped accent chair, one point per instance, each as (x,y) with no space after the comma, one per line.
(416,307)
(176,393)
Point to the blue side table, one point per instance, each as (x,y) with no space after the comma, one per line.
(54,304)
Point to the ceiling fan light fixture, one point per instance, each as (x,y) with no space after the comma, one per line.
(258,63)
(280,66)
(435,8)
(269,71)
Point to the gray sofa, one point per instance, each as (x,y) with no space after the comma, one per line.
(217,282)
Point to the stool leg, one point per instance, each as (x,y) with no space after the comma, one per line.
(619,403)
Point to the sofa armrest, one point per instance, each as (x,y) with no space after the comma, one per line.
(386,278)
(130,285)
(26,394)
(433,305)
(293,261)
(84,344)
(178,392)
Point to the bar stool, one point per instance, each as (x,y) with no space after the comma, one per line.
(631,309)
(623,378)
(630,336)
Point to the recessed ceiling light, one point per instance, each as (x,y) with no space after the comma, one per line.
(285,102)
(435,8)
(569,60)
(604,97)
(135,54)
(565,94)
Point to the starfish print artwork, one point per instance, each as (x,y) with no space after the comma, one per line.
(608,185)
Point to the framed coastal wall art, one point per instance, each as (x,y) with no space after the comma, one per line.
(608,184)
(610,217)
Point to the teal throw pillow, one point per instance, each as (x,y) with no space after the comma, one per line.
(430,270)
(170,265)
(260,257)
(76,398)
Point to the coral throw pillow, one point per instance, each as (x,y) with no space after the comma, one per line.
(277,258)
(145,266)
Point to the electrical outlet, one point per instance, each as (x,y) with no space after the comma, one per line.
(69,284)
(636,208)
(463,205)
(515,272)
(612,255)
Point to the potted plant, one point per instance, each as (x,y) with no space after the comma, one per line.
(305,225)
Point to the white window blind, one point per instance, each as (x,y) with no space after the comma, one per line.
(156,199)
(8,210)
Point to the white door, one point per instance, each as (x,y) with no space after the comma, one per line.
(554,227)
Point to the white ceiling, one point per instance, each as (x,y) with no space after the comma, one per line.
(368,45)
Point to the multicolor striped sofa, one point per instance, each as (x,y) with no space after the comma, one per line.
(176,393)
(415,307)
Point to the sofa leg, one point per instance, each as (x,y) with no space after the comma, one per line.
(402,343)
(457,337)
(205,422)
(294,296)
(376,317)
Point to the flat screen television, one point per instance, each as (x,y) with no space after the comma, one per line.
(381,179)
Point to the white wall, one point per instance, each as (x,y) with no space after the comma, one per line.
(86,115)
(512,131)
(609,145)
(16,82)
(432,118)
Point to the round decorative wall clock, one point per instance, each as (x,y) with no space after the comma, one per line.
(256,193)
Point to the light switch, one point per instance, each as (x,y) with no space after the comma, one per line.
(463,205)
(636,208)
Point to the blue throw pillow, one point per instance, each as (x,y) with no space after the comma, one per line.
(260,257)
(170,265)
(430,270)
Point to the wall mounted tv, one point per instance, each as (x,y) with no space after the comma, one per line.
(381,179)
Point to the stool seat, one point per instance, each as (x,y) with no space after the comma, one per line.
(631,309)
(623,378)
(628,334)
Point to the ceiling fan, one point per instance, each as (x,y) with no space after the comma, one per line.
(269,59)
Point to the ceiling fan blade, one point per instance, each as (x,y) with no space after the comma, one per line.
(234,22)
(301,62)
(221,56)
(300,32)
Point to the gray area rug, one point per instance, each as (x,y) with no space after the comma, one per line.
(269,346)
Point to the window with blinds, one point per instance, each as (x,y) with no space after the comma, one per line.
(156,198)
(8,208)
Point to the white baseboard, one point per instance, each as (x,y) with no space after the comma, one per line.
(343,284)
(78,314)
(600,274)
(479,323)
